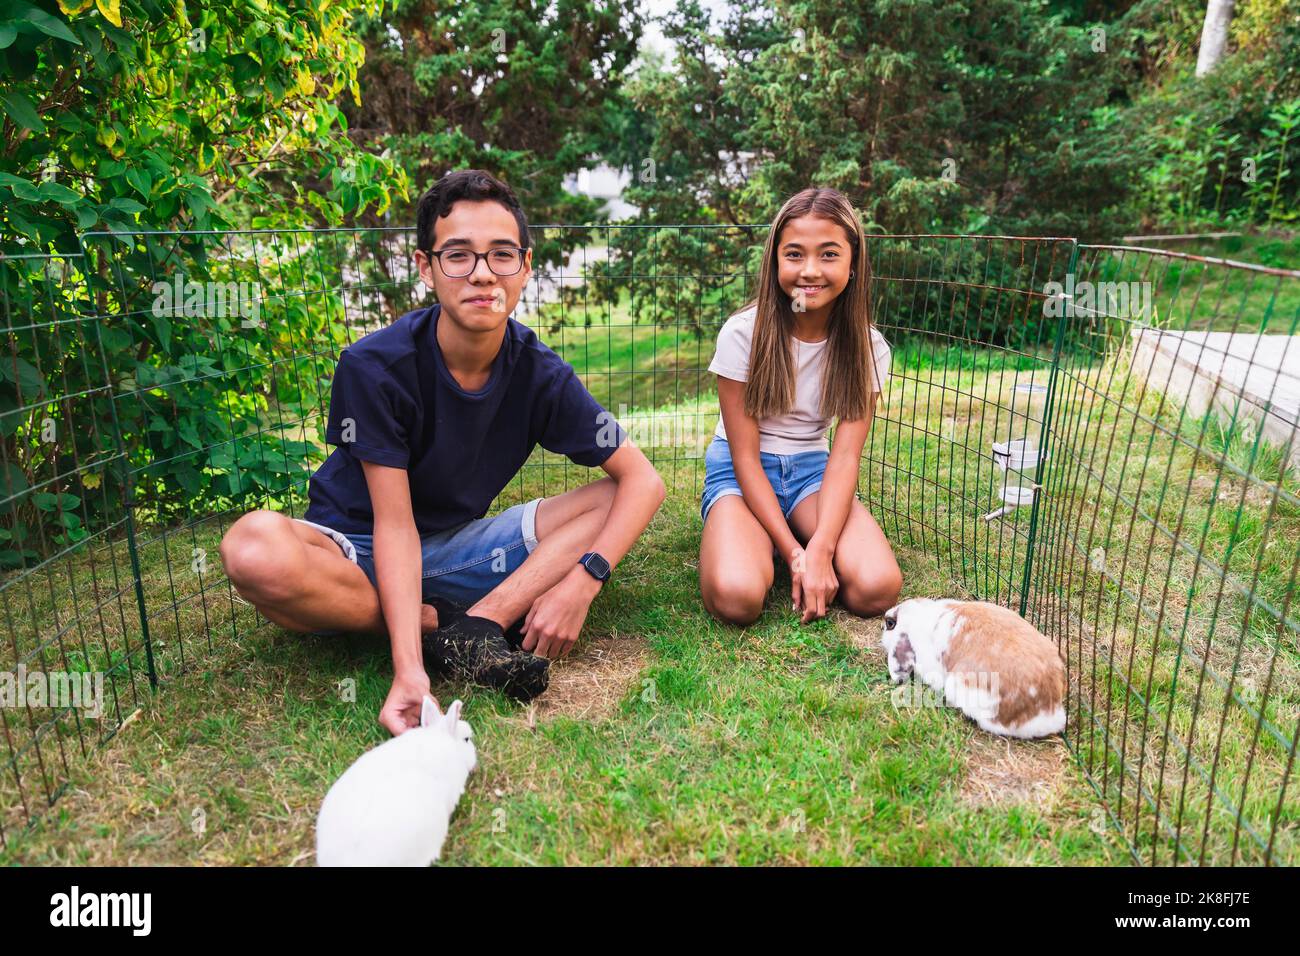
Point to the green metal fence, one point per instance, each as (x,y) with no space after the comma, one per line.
(1167,561)
(158,385)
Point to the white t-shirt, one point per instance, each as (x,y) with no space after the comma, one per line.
(802,428)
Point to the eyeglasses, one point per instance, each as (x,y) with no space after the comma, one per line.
(458,263)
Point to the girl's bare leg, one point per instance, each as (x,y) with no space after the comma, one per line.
(736,567)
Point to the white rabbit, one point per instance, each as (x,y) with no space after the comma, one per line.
(392,806)
(998,668)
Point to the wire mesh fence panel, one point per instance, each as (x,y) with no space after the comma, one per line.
(73,658)
(222,346)
(1169,548)
(952,459)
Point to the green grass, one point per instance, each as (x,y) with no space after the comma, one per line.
(632,364)
(1276,251)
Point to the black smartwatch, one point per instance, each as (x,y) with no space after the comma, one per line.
(596,566)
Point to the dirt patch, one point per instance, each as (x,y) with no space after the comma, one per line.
(863,634)
(1001,772)
(590,683)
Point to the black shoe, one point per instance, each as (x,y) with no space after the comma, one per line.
(449,613)
(475,648)
(515,635)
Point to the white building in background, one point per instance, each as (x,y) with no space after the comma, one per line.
(606,183)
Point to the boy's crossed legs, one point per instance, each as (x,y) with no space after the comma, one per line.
(299,578)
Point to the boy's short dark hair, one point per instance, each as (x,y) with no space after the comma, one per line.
(471,184)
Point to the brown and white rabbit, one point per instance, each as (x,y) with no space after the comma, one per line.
(999,669)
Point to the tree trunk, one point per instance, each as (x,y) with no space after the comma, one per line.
(1214,35)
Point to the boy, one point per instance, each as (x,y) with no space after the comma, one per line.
(433,416)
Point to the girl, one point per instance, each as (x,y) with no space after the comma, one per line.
(802,352)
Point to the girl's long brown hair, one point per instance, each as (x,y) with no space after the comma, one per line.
(850,362)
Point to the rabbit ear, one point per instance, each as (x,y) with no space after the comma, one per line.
(429,711)
(453,717)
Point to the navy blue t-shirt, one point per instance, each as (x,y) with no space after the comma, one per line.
(460,448)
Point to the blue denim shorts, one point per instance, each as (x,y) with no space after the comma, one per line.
(460,565)
(793,477)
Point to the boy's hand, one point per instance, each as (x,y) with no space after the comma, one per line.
(401,711)
(556,618)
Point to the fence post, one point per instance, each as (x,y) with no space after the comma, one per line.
(128,498)
(1045,436)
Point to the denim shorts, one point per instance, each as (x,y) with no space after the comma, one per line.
(793,477)
(460,565)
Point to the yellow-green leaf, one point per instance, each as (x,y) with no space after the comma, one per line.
(111,11)
(73,7)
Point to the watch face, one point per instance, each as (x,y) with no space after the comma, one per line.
(598,565)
